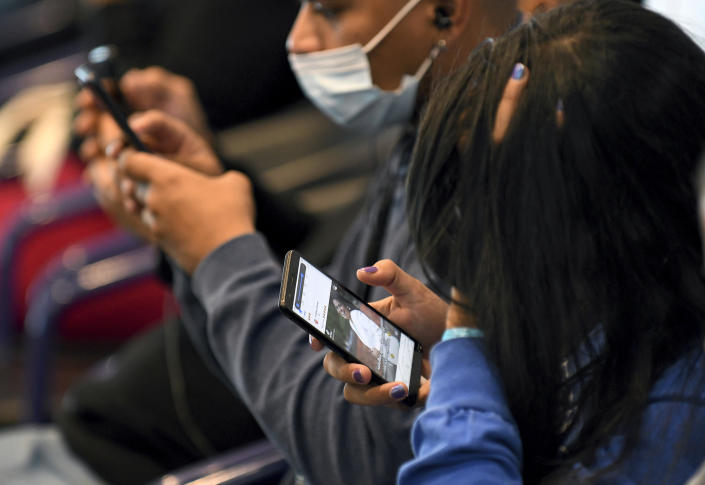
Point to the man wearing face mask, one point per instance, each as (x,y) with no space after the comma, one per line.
(367,64)
(339,80)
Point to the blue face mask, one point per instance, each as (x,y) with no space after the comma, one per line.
(339,83)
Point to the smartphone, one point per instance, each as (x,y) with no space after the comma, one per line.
(334,315)
(103,61)
(88,78)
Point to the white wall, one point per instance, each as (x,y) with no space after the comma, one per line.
(690,14)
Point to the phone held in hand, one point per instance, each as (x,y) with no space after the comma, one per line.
(88,78)
(348,326)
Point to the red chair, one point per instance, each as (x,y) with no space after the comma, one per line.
(102,289)
(33,236)
(13,195)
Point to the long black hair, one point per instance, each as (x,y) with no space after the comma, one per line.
(575,243)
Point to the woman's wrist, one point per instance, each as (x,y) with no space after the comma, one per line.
(462,332)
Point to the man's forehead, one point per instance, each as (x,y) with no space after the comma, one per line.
(328,3)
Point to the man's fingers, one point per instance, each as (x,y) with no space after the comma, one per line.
(127,188)
(108,130)
(148,218)
(161,132)
(89,150)
(136,93)
(86,122)
(129,201)
(114,147)
(101,174)
(152,122)
(510,100)
(141,192)
(344,371)
(140,166)
(86,100)
(145,88)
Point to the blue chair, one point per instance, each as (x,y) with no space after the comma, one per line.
(256,464)
(103,288)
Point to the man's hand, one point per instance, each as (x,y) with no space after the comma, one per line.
(95,126)
(147,89)
(102,173)
(189,214)
(157,88)
(162,134)
(172,138)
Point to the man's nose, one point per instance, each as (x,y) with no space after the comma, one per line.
(304,36)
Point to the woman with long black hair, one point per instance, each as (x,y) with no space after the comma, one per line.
(561,209)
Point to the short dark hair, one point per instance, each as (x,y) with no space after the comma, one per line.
(571,238)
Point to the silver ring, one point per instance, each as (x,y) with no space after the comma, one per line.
(148,218)
(141,192)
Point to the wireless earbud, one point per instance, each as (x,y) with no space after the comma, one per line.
(442,19)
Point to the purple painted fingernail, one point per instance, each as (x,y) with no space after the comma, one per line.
(560,106)
(398,392)
(357,375)
(369,269)
(519,71)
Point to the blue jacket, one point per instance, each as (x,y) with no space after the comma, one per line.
(467,434)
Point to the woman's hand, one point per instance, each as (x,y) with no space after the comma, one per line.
(416,310)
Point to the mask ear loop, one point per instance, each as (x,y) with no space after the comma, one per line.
(426,65)
(391,25)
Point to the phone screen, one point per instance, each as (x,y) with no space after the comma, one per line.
(352,325)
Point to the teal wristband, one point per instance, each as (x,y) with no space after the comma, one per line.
(462,332)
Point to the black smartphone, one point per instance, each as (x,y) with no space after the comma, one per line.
(352,328)
(103,61)
(88,78)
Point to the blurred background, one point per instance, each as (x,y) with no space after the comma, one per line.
(73,285)
(689,14)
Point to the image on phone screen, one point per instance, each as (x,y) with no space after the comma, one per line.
(352,325)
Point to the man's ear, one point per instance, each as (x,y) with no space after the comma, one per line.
(449,17)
